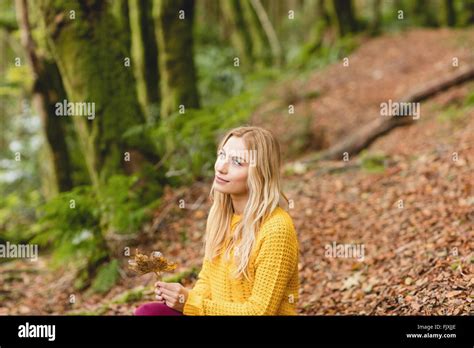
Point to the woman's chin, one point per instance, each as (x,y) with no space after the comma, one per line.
(219,189)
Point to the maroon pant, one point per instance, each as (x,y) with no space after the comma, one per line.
(156,308)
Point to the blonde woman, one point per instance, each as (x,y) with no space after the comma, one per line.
(250,264)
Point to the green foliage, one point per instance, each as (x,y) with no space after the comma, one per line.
(469,101)
(457,113)
(75,225)
(464,10)
(218,79)
(130,296)
(373,163)
(70,223)
(20,175)
(16,79)
(17,211)
(124,207)
(73,222)
(107,276)
(324,55)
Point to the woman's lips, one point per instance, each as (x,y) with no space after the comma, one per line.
(220,180)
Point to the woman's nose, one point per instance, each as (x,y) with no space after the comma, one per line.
(221,166)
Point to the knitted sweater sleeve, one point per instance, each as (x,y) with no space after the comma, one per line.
(202,287)
(274,265)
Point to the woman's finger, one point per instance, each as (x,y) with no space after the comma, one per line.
(166,297)
(170,300)
(168,292)
(163,285)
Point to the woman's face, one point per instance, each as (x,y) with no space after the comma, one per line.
(232,168)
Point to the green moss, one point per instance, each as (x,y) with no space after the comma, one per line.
(130,296)
(457,113)
(239,34)
(176,58)
(144,52)
(261,52)
(106,278)
(373,163)
(96,75)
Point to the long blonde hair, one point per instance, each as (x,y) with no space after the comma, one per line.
(265,193)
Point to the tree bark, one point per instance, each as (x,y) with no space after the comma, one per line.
(239,35)
(345,17)
(176,59)
(376,22)
(450,13)
(92,62)
(468,13)
(120,10)
(422,10)
(261,54)
(47,91)
(316,37)
(267,26)
(144,53)
(368,133)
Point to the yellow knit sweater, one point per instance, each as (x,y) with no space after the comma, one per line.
(273,271)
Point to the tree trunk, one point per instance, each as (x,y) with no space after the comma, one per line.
(145,54)
(422,11)
(323,12)
(376,21)
(269,30)
(468,12)
(450,13)
(239,35)
(317,33)
(120,10)
(261,54)
(345,17)
(176,59)
(368,133)
(93,65)
(47,91)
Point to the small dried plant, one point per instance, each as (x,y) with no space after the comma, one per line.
(156,263)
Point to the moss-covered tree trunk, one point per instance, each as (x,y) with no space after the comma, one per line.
(424,13)
(261,52)
(374,26)
(316,35)
(144,53)
(345,17)
(178,82)
(266,26)
(47,91)
(120,10)
(467,13)
(240,37)
(449,13)
(84,38)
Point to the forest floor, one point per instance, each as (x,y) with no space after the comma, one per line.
(408,201)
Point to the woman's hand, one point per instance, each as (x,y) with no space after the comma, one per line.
(174,295)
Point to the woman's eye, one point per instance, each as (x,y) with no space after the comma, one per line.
(237,162)
(220,155)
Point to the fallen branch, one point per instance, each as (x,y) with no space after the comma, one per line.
(368,133)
